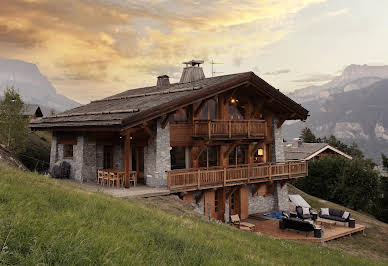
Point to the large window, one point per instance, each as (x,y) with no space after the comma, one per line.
(108,157)
(68,151)
(178,158)
(238,155)
(209,157)
(209,110)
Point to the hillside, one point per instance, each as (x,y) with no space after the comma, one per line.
(32,85)
(355,115)
(62,224)
(8,159)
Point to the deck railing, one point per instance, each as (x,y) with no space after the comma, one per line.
(204,178)
(230,128)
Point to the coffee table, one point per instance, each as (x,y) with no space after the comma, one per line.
(325,222)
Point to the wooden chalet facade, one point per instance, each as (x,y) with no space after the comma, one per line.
(216,142)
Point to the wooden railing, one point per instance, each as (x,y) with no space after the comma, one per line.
(230,129)
(204,178)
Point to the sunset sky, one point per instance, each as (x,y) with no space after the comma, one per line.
(90,49)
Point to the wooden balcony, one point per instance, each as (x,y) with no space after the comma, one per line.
(205,178)
(230,129)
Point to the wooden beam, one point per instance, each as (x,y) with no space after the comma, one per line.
(201,149)
(147,129)
(231,147)
(281,121)
(199,107)
(231,191)
(165,120)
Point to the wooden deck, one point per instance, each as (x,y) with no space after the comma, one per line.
(201,178)
(270,227)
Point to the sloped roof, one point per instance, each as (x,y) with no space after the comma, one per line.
(305,151)
(138,104)
(32,109)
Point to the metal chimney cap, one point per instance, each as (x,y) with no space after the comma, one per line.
(193,62)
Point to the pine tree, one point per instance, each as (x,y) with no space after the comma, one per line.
(308,136)
(14,125)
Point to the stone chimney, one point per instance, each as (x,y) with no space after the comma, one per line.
(163,81)
(297,142)
(192,71)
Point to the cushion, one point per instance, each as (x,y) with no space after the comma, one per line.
(306,211)
(324,211)
(335,212)
(345,215)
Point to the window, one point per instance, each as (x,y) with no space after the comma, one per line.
(215,201)
(178,158)
(209,157)
(68,151)
(209,110)
(238,155)
(236,111)
(108,157)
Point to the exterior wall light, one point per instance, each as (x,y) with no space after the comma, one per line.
(260,152)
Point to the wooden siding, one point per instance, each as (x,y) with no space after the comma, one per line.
(197,179)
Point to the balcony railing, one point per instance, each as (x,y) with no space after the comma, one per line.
(229,129)
(204,178)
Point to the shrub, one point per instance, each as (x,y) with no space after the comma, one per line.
(61,171)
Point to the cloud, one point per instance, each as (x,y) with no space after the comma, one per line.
(134,40)
(338,12)
(315,78)
(278,72)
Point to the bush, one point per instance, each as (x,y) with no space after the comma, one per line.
(61,171)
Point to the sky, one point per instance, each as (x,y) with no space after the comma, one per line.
(90,49)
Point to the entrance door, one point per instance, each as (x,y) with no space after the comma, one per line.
(138,164)
(234,203)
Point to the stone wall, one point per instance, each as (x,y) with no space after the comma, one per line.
(281,197)
(84,161)
(157,159)
(278,150)
(259,204)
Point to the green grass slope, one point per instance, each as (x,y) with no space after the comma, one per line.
(46,221)
(374,244)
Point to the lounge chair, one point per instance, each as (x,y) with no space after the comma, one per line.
(235,220)
(306,213)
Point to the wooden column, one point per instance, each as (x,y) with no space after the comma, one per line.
(127,158)
(244,202)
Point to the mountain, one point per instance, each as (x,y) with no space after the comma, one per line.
(354,77)
(32,85)
(353,107)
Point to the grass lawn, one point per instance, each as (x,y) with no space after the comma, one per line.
(46,221)
(375,242)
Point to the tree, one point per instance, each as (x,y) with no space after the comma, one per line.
(353,183)
(308,136)
(14,126)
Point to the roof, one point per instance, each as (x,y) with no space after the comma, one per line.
(306,151)
(32,109)
(137,105)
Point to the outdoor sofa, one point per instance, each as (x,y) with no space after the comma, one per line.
(300,225)
(335,215)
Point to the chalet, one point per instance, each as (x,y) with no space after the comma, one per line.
(216,142)
(299,150)
(32,111)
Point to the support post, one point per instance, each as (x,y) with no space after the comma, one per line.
(127,158)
